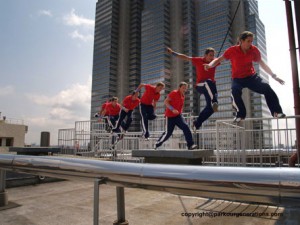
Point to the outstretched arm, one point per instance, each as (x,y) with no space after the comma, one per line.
(269,71)
(213,63)
(179,55)
(139,87)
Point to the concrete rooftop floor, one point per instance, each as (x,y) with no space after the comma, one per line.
(71,202)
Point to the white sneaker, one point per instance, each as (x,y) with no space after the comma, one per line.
(194,128)
(143,137)
(237,119)
(193,147)
(121,136)
(279,115)
(215,106)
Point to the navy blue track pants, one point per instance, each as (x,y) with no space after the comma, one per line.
(147,113)
(171,122)
(124,125)
(209,90)
(258,85)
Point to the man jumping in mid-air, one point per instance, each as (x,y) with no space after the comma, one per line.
(205,83)
(148,104)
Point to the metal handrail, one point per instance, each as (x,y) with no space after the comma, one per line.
(264,185)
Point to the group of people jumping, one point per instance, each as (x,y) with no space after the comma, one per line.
(243,76)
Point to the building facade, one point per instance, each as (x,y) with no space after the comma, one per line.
(131,37)
(12,134)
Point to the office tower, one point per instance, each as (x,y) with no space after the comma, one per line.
(131,37)
(258,106)
(117,51)
(215,18)
(155,28)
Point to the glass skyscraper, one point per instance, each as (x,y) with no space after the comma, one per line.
(131,37)
(117,50)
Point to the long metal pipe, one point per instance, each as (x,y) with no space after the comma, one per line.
(263,185)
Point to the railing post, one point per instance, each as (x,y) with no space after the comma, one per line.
(3,193)
(97,182)
(96,201)
(243,149)
(217,144)
(120,207)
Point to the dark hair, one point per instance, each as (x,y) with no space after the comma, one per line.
(244,35)
(114,99)
(208,50)
(182,84)
(133,92)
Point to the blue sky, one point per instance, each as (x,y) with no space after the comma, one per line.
(46,61)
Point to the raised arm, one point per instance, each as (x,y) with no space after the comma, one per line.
(213,63)
(139,87)
(269,71)
(179,55)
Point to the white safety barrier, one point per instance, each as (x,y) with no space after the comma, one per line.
(252,142)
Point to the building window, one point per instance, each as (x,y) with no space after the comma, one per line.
(9,142)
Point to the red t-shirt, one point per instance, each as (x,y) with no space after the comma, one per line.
(130,104)
(202,74)
(103,107)
(176,99)
(242,63)
(150,95)
(112,110)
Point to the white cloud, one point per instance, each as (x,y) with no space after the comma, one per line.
(76,95)
(71,104)
(45,13)
(76,35)
(84,26)
(38,124)
(62,110)
(72,19)
(7,90)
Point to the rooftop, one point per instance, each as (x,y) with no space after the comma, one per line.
(71,202)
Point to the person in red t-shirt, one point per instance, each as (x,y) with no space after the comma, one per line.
(242,57)
(130,102)
(205,83)
(112,111)
(102,108)
(148,104)
(99,115)
(174,103)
